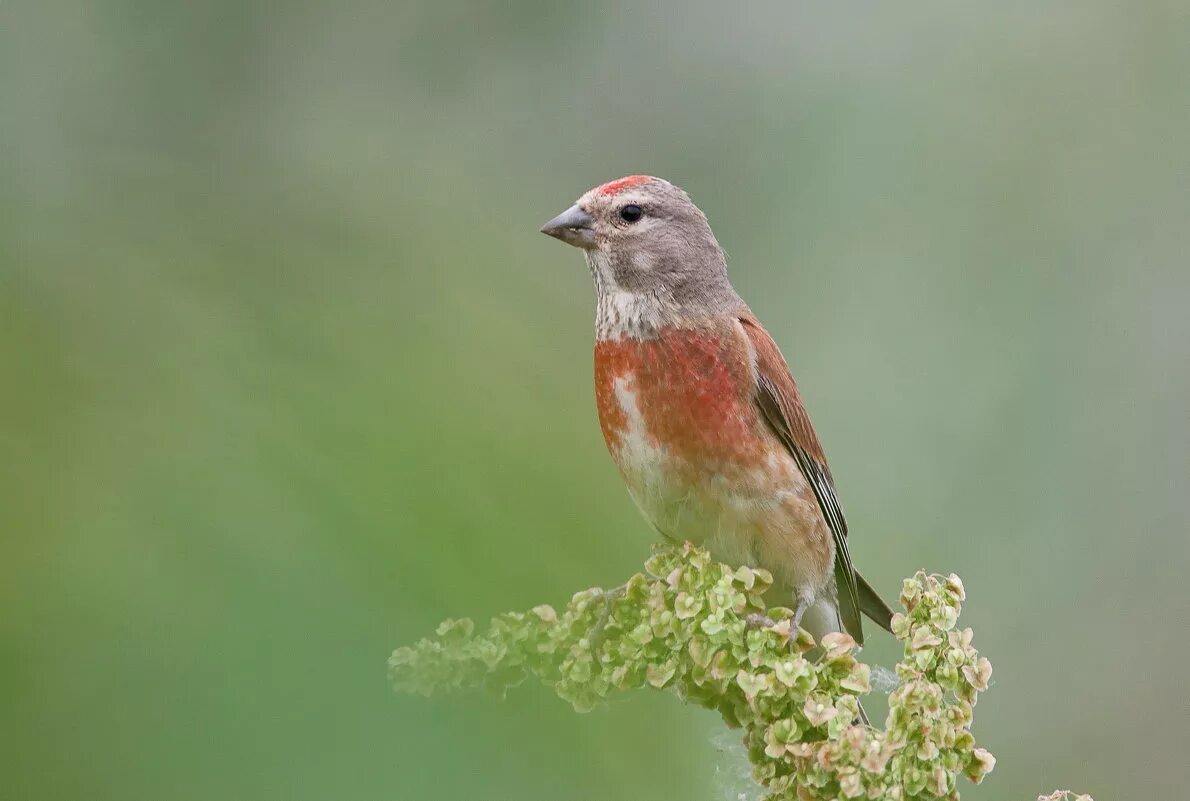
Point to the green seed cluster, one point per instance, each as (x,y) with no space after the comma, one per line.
(701,629)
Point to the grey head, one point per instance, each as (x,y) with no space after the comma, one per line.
(651,252)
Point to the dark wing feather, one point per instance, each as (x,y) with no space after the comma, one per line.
(781,404)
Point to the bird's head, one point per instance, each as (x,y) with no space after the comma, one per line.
(642,234)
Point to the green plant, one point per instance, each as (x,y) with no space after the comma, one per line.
(701,629)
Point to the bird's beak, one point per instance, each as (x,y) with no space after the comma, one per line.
(574,227)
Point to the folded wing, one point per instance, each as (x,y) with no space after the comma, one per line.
(781,403)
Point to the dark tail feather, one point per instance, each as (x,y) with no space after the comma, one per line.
(872,604)
(849,603)
(874,607)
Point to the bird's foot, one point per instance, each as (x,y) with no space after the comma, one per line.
(758,621)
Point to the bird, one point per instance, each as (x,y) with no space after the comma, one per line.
(699,409)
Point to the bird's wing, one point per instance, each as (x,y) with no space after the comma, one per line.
(781,404)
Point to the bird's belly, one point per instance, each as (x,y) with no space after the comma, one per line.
(764,516)
(725,507)
(701,465)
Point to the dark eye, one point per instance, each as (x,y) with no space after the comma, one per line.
(631,213)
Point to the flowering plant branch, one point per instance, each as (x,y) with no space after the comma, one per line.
(701,629)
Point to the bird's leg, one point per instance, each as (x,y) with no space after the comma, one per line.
(801,604)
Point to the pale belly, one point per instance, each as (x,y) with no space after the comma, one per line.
(728,520)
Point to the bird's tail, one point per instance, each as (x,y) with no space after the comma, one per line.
(872,605)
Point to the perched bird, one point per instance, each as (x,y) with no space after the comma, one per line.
(698,407)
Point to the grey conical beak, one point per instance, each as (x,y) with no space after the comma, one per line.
(573,226)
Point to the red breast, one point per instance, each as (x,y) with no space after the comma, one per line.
(693,388)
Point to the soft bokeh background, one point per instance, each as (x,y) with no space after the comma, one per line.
(287,373)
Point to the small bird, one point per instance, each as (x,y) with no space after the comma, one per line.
(698,408)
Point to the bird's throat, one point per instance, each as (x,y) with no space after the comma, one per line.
(620,314)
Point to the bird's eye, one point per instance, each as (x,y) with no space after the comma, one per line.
(631,213)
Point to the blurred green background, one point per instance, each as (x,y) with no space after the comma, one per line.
(287,373)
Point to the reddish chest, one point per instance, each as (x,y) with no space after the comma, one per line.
(686,393)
